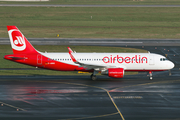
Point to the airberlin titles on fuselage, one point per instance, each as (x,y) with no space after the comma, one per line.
(120,59)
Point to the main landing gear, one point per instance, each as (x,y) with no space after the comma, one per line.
(93,76)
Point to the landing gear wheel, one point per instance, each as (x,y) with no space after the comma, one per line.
(93,77)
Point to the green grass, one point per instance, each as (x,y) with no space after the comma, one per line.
(47,22)
(103,2)
(6,49)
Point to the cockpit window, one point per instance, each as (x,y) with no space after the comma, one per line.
(163,59)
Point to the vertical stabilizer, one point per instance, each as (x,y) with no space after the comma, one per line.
(19,43)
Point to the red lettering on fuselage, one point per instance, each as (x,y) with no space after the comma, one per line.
(106,61)
(120,59)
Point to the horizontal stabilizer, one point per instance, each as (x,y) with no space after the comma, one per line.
(14,58)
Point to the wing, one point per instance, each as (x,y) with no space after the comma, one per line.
(97,67)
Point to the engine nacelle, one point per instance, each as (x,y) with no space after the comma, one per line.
(114,72)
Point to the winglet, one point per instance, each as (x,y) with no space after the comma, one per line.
(72,57)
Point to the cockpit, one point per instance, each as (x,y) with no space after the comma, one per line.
(163,59)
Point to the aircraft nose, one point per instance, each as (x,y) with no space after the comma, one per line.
(171,65)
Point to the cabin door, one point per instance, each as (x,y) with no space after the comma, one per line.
(151,60)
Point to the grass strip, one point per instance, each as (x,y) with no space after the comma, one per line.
(130,22)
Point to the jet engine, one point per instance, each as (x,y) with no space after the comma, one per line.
(114,72)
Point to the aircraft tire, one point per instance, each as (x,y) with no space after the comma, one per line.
(93,77)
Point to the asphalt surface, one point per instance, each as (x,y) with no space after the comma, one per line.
(99,42)
(77,97)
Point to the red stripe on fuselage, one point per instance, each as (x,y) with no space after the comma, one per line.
(47,63)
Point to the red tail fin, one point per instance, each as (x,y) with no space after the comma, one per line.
(20,45)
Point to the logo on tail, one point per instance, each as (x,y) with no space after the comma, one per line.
(17,40)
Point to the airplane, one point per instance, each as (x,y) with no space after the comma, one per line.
(112,64)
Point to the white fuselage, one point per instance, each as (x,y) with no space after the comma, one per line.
(128,61)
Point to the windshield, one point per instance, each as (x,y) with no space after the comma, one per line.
(163,59)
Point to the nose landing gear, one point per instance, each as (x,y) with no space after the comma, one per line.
(150,75)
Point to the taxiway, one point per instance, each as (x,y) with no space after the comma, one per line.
(77,97)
